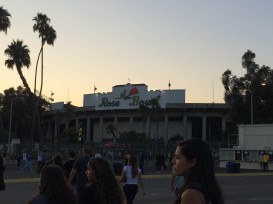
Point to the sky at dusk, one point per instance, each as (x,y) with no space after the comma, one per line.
(108,43)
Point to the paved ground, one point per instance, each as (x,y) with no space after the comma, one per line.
(247,187)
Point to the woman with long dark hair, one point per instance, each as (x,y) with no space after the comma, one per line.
(53,188)
(102,186)
(131,176)
(193,160)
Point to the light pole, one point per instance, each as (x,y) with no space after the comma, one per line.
(10,150)
(251,100)
(10,121)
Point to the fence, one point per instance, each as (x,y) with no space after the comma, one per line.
(115,151)
(149,148)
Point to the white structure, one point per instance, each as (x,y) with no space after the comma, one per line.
(131,96)
(121,108)
(57,106)
(253,140)
(253,137)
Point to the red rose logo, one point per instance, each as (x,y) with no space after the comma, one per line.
(134,91)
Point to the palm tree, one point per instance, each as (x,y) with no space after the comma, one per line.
(158,111)
(4,25)
(144,111)
(18,56)
(47,35)
(67,113)
(155,113)
(4,19)
(112,129)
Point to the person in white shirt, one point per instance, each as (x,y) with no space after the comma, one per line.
(131,176)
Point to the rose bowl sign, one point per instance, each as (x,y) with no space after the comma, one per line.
(131,96)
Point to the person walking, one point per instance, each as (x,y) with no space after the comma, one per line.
(24,157)
(79,169)
(40,161)
(28,162)
(102,186)
(193,160)
(141,162)
(53,188)
(68,165)
(58,160)
(158,163)
(2,169)
(265,159)
(4,156)
(131,176)
(19,158)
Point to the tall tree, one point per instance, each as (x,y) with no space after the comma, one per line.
(144,111)
(239,90)
(112,130)
(18,56)
(4,25)
(155,113)
(47,35)
(4,20)
(20,112)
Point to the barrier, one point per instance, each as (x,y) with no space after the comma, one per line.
(233,167)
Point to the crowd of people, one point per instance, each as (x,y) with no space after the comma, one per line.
(91,178)
(88,178)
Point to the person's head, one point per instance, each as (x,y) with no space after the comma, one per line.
(72,154)
(53,185)
(132,160)
(193,160)
(85,150)
(58,159)
(51,175)
(100,172)
(97,168)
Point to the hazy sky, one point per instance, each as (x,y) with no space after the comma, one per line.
(106,43)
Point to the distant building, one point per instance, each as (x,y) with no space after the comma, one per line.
(252,142)
(121,109)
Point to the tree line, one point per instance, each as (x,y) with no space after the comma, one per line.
(252,91)
(250,95)
(18,57)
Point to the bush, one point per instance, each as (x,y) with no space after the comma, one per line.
(132,136)
(177,137)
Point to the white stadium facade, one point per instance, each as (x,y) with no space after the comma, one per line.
(121,109)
